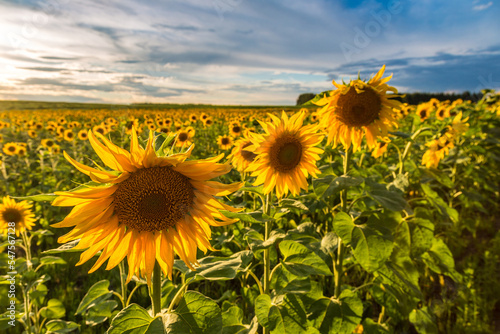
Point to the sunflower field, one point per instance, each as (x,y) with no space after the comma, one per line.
(355,213)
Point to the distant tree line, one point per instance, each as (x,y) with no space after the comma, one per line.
(414,98)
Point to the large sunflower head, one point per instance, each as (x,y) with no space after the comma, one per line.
(18,213)
(286,154)
(359,108)
(147,208)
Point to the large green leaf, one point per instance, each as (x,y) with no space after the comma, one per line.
(220,268)
(343,226)
(256,240)
(439,258)
(283,315)
(96,294)
(439,203)
(371,243)
(195,314)
(422,234)
(100,312)
(299,260)
(331,316)
(330,184)
(135,320)
(60,326)
(423,321)
(54,309)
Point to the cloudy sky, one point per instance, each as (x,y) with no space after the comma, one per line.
(249,52)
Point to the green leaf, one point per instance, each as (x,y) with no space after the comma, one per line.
(54,309)
(283,282)
(439,258)
(330,242)
(342,316)
(61,326)
(195,314)
(299,260)
(231,321)
(422,234)
(96,294)
(100,312)
(256,241)
(391,200)
(46,260)
(330,185)
(292,204)
(343,226)
(37,198)
(439,203)
(221,268)
(370,248)
(423,321)
(286,315)
(135,320)
(402,240)
(371,327)
(66,248)
(249,217)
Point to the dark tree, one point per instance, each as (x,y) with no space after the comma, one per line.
(303,98)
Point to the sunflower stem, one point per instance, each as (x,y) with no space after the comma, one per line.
(407,148)
(338,266)
(122,283)
(156,289)
(267,231)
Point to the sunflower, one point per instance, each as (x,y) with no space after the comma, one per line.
(359,107)
(235,129)
(21,150)
(100,129)
(183,138)
(438,148)
(207,122)
(10,148)
(286,154)
(48,143)
(240,157)
(380,149)
(225,142)
(457,127)
(442,112)
(18,213)
(148,209)
(32,133)
(82,135)
(69,135)
(424,110)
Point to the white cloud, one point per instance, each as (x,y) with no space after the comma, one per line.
(483,6)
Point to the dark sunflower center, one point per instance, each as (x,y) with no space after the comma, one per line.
(12,216)
(359,109)
(225,141)
(247,155)
(12,148)
(100,130)
(441,113)
(69,134)
(182,136)
(285,154)
(236,129)
(382,144)
(153,199)
(49,143)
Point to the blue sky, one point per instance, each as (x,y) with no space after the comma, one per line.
(241,51)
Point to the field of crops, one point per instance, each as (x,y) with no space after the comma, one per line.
(329,218)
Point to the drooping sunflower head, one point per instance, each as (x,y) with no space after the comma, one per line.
(147,209)
(359,108)
(240,157)
(18,213)
(285,154)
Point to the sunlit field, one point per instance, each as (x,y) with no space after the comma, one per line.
(353,213)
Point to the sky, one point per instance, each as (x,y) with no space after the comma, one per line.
(241,52)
